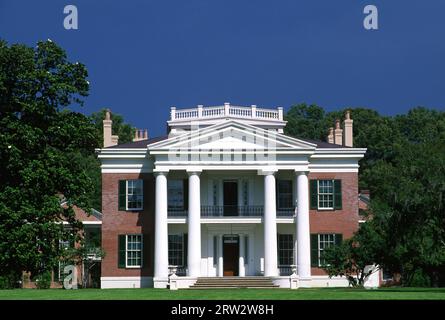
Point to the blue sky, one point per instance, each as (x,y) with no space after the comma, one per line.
(145,56)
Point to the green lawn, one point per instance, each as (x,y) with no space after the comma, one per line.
(227,294)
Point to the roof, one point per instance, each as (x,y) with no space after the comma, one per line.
(323,144)
(142,144)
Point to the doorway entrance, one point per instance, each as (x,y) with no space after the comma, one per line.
(230,198)
(230,255)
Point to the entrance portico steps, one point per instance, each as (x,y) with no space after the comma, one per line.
(233,282)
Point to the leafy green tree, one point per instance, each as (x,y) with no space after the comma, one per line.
(353,256)
(40,143)
(306,121)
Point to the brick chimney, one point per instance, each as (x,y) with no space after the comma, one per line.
(338,133)
(347,127)
(331,135)
(109,139)
(140,134)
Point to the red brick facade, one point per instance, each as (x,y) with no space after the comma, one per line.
(117,222)
(343,221)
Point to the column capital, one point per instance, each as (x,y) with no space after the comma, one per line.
(194,171)
(301,171)
(160,172)
(267,171)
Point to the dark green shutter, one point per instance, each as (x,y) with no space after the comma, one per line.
(314,194)
(337,195)
(122,195)
(314,250)
(121,251)
(338,239)
(185,249)
(185,193)
(145,250)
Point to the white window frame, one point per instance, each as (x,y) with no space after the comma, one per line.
(318,195)
(319,249)
(141,250)
(142,195)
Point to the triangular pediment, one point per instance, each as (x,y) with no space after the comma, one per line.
(230,135)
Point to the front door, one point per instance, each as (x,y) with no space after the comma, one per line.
(230,198)
(231,255)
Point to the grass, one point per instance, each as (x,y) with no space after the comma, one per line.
(227,294)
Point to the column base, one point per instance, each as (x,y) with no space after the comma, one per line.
(160,283)
(304,282)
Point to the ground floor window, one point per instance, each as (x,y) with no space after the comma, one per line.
(319,242)
(134,250)
(176,249)
(285,249)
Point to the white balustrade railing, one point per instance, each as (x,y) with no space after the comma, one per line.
(226,110)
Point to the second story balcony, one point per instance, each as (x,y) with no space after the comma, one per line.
(209,211)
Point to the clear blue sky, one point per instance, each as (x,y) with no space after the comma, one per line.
(145,56)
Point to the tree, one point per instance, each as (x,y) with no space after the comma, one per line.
(40,145)
(353,256)
(306,121)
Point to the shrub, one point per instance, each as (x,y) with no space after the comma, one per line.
(9,281)
(43,281)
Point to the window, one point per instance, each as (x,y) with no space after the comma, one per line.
(134,251)
(176,249)
(285,249)
(319,242)
(285,194)
(175,195)
(325,194)
(131,195)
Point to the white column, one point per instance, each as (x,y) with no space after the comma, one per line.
(241,268)
(303,232)
(220,256)
(194,226)
(161,230)
(270,226)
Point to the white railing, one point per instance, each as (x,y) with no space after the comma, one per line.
(226,110)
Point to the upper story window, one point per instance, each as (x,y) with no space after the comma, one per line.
(131,195)
(326,194)
(177,196)
(284,194)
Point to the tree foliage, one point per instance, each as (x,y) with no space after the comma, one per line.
(41,143)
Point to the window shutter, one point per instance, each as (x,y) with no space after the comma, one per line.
(186,194)
(337,195)
(338,239)
(121,251)
(314,250)
(314,194)
(122,195)
(145,250)
(185,249)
